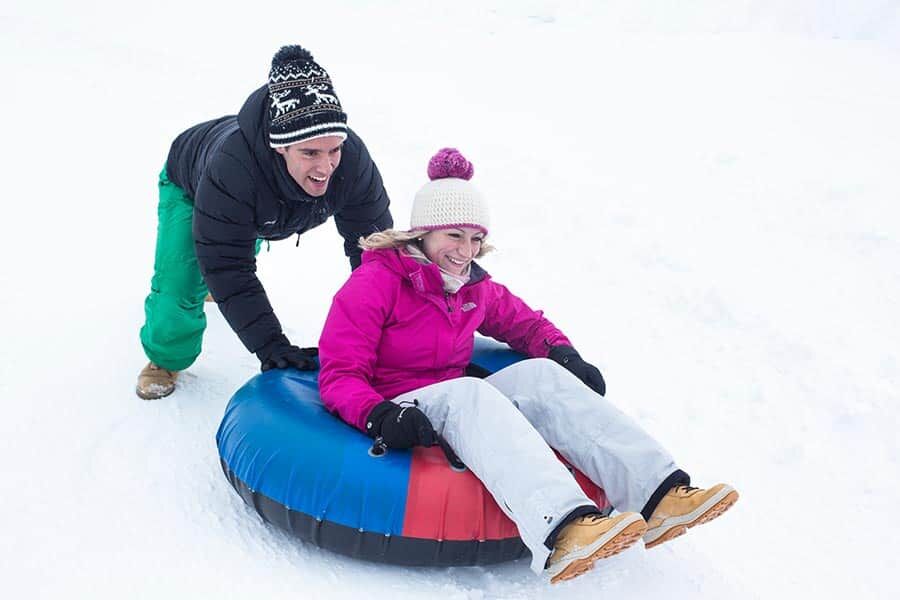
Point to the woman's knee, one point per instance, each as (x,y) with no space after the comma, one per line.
(535,368)
(547,363)
(473,390)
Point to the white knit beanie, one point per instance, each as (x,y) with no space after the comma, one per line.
(449,199)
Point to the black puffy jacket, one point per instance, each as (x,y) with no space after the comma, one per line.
(242,191)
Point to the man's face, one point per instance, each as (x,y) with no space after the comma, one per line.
(312,162)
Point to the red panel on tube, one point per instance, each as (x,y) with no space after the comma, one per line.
(442,504)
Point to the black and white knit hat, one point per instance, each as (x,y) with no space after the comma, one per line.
(302,102)
(449,199)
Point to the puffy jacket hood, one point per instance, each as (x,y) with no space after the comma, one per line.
(253,120)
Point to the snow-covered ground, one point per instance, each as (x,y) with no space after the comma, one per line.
(702,194)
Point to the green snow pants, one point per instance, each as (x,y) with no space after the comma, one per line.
(174,319)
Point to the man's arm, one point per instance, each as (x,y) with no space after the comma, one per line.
(367,207)
(225,240)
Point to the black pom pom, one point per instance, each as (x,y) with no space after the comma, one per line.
(290,53)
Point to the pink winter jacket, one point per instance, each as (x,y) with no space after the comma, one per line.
(392,329)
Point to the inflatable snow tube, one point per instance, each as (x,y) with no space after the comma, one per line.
(304,470)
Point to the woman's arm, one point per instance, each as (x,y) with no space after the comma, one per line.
(509,319)
(349,342)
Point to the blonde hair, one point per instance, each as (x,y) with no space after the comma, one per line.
(395,238)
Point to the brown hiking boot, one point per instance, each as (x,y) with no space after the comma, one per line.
(590,538)
(684,507)
(155,382)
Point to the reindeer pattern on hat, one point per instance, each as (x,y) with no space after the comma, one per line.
(321,96)
(283,106)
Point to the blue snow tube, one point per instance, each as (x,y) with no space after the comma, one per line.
(306,471)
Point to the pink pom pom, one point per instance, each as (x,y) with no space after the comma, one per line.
(448,162)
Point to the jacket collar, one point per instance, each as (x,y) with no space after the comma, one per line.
(425,279)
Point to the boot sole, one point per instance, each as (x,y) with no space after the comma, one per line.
(152,395)
(711,509)
(614,541)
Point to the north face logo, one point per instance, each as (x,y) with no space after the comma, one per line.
(468,306)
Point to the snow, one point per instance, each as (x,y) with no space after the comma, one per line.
(702,194)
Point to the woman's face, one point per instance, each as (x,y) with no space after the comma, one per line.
(454,248)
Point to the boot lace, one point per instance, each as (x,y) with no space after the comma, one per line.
(592,518)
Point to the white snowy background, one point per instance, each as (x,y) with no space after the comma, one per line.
(703,194)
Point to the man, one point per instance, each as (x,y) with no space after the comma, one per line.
(284,164)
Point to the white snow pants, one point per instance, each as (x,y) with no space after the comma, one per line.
(509,449)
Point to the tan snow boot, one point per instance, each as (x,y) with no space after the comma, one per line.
(590,538)
(155,382)
(684,507)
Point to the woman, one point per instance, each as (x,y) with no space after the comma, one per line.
(393,354)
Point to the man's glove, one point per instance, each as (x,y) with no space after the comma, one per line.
(398,426)
(280,354)
(568,357)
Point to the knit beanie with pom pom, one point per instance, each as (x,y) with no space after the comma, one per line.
(449,199)
(302,102)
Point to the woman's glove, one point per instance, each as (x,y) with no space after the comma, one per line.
(400,426)
(568,357)
(405,426)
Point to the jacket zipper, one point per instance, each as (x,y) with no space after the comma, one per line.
(447,300)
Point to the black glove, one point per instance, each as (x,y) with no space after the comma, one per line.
(400,426)
(568,357)
(405,426)
(280,354)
